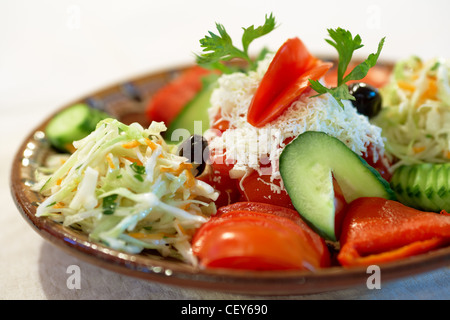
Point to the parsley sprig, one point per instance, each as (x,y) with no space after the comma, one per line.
(346,45)
(220,48)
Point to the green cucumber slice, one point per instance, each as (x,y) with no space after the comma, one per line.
(427,186)
(307,167)
(72,124)
(195,110)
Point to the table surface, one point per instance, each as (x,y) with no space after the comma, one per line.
(53,52)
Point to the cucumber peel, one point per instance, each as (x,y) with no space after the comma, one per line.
(72,124)
(308,165)
(424,186)
(195,110)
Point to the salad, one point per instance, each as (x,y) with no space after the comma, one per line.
(277,162)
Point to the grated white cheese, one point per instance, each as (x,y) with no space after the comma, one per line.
(252,148)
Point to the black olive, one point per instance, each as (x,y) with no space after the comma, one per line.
(196,150)
(368,99)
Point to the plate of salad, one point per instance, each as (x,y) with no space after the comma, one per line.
(282,173)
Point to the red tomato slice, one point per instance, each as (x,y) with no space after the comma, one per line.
(381,165)
(219,178)
(255,241)
(272,212)
(261,207)
(378,76)
(285,80)
(340,206)
(170,99)
(256,188)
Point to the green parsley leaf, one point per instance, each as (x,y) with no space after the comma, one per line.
(345,44)
(137,168)
(339,93)
(251,33)
(219,48)
(109,204)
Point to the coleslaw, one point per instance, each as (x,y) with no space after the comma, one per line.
(415,118)
(128,189)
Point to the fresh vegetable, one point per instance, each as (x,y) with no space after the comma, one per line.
(345,44)
(218,49)
(71,124)
(377,76)
(416,112)
(193,117)
(281,212)
(217,175)
(377,230)
(285,80)
(167,102)
(423,186)
(308,165)
(126,188)
(367,99)
(258,188)
(273,241)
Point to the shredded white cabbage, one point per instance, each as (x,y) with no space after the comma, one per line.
(415,118)
(127,188)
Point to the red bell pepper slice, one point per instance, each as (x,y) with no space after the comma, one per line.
(377,230)
(284,81)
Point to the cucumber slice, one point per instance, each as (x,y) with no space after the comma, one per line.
(195,110)
(427,186)
(71,124)
(307,166)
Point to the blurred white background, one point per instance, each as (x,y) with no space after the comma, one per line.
(52,52)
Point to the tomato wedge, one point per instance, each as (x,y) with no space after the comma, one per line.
(377,230)
(259,237)
(256,188)
(168,101)
(377,76)
(285,80)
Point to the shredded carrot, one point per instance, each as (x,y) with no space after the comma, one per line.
(58,182)
(406,86)
(149,236)
(69,147)
(180,227)
(185,206)
(183,166)
(131,145)
(59,205)
(418,149)
(110,162)
(190,182)
(151,144)
(431,91)
(139,162)
(447,154)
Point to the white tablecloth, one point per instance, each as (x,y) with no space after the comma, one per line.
(56,51)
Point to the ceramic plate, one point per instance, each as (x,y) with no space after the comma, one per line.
(126,101)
